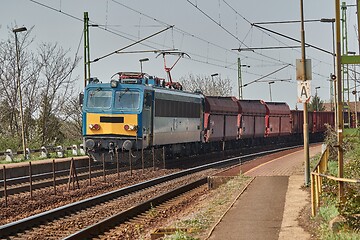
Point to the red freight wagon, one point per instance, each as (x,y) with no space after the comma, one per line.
(322,118)
(297,121)
(221,120)
(277,119)
(252,114)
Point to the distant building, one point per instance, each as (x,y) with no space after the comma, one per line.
(352,119)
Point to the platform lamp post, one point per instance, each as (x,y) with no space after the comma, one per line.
(141,62)
(15,31)
(332,85)
(317,98)
(339,116)
(240,83)
(306,128)
(214,75)
(353,92)
(270,89)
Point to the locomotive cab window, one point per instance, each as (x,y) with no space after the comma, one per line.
(99,99)
(127,100)
(147,100)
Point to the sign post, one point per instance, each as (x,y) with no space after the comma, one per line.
(303,75)
(305,70)
(304,91)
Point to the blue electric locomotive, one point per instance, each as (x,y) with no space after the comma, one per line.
(137,111)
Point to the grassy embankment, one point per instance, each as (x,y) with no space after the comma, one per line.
(350,209)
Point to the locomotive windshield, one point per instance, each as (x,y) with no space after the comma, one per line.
(99,99)
(127,100)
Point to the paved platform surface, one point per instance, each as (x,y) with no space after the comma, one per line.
(269,207)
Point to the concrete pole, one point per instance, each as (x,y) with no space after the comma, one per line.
(358,24)
(358,21)
(356,115)
(240,83)
(339,102)
(86,48)
(305,130)
(334,81)
(19,90)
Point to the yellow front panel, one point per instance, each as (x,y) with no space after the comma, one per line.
(109,127)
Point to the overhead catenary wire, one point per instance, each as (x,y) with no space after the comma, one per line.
(293,39)
(231,34)
(191,35)
(124,35)
(175,29)
(115,32)
(269,74)
(248,21)
(132,44)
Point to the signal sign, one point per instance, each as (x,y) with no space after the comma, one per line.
(304,93)
(300,71)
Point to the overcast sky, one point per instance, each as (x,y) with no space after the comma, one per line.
(206,30)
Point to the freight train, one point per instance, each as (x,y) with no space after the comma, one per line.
(138,111)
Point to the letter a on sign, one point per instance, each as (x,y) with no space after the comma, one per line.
(304,91)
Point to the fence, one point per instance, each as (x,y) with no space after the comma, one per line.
(44,152)
(317,175)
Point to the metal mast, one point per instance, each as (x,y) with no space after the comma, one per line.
(86,48)
(345,67)
(240,83)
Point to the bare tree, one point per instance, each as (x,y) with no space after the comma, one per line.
(47,86)
(73,128)
(8,74)
(207,85)
(56,87)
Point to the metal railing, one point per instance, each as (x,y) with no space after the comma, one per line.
(44,152)
(317,175)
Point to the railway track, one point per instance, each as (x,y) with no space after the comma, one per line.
(44,180)
(69,220)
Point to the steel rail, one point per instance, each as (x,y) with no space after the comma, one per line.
(46,175)
(26,223)
(62,179)
(102,226)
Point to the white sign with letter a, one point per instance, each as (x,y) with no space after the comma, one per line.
(304,93)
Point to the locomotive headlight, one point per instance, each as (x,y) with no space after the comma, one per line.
(89,144)
(114,83)
(94,126)
(130,127)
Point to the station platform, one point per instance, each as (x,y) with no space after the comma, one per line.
(271,204)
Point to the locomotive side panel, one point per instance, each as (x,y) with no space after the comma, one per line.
(147,119)
(177,117)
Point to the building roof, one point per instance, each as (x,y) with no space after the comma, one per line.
(351,104)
